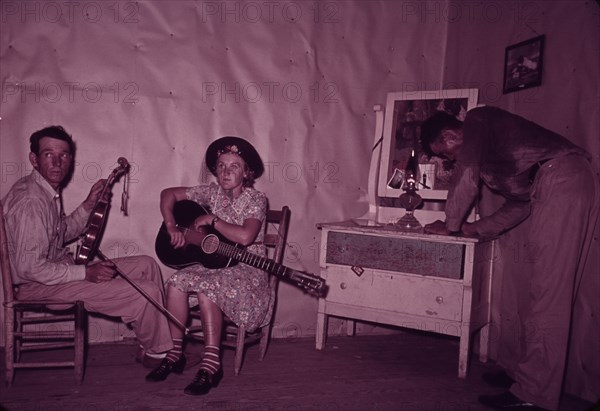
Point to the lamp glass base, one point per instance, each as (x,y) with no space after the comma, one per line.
(409,223)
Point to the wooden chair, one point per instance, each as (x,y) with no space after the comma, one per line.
(26,332)
(237,337)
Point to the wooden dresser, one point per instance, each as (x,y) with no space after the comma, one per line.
(378,274)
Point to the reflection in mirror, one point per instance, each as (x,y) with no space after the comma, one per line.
(405,112)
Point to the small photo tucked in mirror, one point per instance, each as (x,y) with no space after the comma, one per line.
(427,176)
(397,179)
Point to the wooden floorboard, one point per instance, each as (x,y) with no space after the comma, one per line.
(406,371)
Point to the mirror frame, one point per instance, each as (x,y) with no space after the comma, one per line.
(391,125)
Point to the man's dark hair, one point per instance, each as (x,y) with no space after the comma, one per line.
(433,126)
(56,132)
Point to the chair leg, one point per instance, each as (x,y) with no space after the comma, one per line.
(9,347)
(265,335)
(80,326)
(239,349)
(18,326)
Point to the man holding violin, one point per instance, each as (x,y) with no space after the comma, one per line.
(42,266)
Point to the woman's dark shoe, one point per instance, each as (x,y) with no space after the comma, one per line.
(165,368)
(203,382)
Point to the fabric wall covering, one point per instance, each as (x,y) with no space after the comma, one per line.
(157,81)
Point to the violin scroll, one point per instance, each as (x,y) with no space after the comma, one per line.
(123,164)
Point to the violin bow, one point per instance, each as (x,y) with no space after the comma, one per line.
(159,306)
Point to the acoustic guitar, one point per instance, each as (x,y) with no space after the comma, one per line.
(209,248)
(185,213)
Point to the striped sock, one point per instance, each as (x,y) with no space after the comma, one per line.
(177,351)
(211,361)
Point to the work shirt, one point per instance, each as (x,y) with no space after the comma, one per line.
(502,150)
(37,229)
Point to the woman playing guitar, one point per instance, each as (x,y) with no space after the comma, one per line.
(237,213)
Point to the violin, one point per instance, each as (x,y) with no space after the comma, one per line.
(92,234)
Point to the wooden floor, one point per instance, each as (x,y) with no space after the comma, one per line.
(408,371)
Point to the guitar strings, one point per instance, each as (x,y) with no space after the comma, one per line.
(302,279)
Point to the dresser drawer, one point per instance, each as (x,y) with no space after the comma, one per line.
(408,294)
(395,254)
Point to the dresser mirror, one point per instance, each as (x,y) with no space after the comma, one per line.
(404,113)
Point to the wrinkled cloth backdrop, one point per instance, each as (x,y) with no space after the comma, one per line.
(157,81)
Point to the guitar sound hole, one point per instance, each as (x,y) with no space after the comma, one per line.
(210,244)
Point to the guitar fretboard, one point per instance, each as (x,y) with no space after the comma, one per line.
(310,283)
(253,260)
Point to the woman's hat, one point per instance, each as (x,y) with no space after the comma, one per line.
(236,145)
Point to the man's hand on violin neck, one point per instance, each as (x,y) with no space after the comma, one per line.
(94,195)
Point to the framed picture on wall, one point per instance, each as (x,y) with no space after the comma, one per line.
(523,65)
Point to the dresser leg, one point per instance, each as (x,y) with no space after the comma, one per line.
(321,331)
(484,342)
(463,355)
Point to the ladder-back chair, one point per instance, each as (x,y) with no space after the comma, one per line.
(26,332)
(237,337)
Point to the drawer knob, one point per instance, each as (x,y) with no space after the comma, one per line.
(439,299)
(343,286)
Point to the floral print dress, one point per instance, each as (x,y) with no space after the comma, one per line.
(242,292)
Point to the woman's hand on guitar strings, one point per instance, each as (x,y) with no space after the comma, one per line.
(177,236)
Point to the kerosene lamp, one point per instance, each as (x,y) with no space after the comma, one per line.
(410,200)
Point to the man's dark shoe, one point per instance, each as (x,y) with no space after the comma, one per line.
(498,379)
(150,362)
(146,360)
(507,401)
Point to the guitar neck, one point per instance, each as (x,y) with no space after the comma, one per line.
(310,283)
(256,261)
